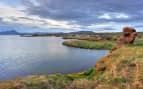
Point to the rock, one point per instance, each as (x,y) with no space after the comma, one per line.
(19,86)
(128,37)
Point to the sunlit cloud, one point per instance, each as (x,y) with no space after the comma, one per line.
(13,15)
(73,15)
(96,26)
(111,15)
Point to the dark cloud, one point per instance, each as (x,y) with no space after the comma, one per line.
(138,26)
(86,12)
(112,29)
(58,9)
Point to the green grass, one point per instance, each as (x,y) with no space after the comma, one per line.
(96,37)
(55,81)
(102,44)
(138,43)
(90,44)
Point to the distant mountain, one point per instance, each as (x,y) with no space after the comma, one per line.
(14,32)
(11,32)
(83,32)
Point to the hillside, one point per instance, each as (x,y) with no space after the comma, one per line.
(123,69)
(10,32)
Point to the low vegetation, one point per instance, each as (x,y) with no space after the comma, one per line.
(90,44)
(123,67)
(95,37)
(56,81)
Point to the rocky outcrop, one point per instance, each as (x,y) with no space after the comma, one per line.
(128,37)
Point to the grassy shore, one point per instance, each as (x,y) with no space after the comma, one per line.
(55,81)
(123,69)
(102,44)
(90,44)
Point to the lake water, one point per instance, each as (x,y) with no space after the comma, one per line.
(22,56)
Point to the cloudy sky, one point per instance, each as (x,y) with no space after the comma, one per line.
(70,15)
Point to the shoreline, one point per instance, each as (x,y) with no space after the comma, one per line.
(112,71)
(98,45)
(99,75)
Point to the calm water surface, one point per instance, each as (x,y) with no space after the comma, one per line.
(22,56)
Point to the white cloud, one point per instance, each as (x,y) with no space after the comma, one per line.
(108,27)
(113,15)
(105,16)
(8,11)
(34,2)
(97,26)
(122,16)
(14,15)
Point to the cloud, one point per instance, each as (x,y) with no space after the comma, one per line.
(96,26)
(111,26)
(114,15)
(85,14)
(13,15)
(88,10)
(75,15)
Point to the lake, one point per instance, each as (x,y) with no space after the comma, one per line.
(22,56)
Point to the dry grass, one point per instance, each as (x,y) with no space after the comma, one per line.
(123,66)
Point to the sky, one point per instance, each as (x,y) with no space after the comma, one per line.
(70,15)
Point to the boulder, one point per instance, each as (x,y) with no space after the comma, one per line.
(128,37)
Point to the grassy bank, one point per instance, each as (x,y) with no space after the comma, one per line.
(102,44)
(55,81)
(95,37)
(90,44)
(123,69)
